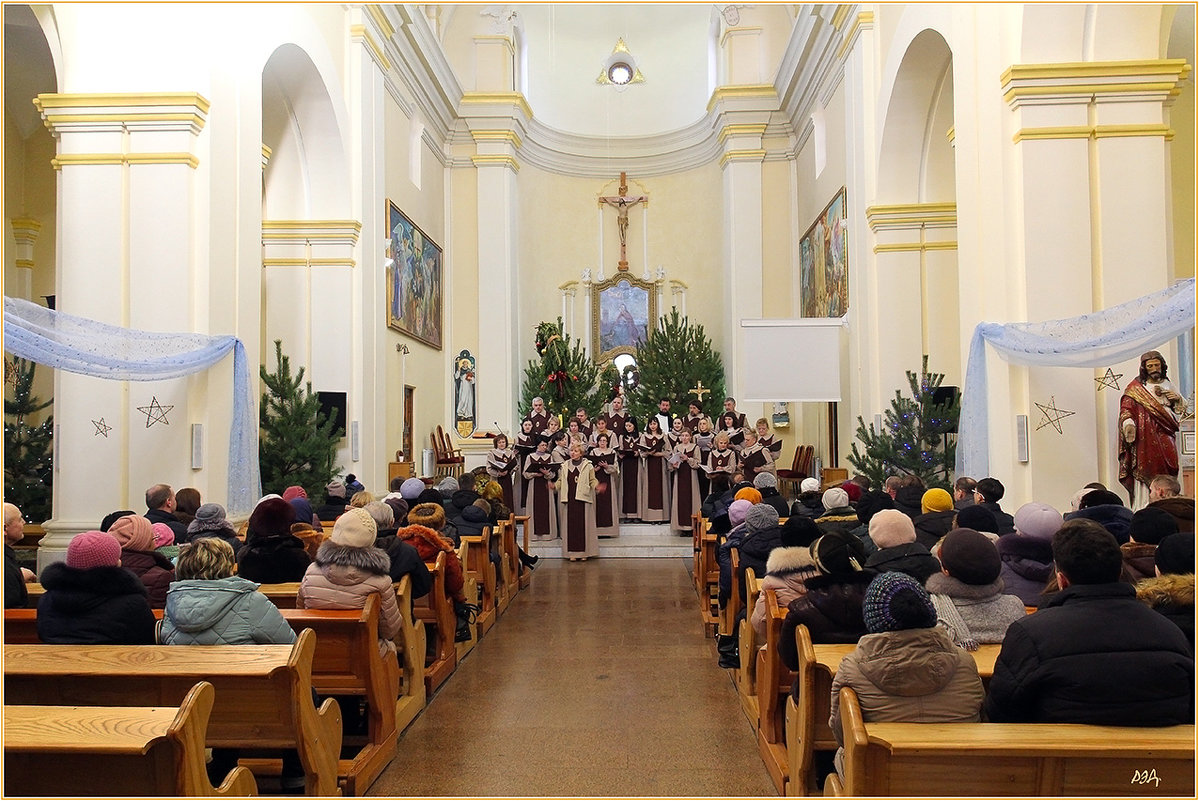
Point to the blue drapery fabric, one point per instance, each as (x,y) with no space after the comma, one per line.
(1098,339)
(87,347)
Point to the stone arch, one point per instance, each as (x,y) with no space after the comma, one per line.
(307,174)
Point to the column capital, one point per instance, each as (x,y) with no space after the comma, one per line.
(25,230)
(108,113)
(1074,82)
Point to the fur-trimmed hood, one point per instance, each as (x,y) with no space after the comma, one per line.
(1169,590)
(784,561)
(431,538)
(344,564)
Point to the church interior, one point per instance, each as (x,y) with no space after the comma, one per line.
(388,190)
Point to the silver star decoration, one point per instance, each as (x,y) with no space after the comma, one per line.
(155,412)
(102,428)
(1109,379)
(1053,415)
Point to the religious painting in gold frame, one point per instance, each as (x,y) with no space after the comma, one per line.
(623,309)
(413,280)
(823,263)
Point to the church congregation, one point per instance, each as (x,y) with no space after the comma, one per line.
(865,330)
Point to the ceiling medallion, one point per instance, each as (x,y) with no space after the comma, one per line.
(620,68)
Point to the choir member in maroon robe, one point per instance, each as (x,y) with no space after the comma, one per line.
(654,488)
(630,472)
(685,499)
(541,470)
(501,461)
(607,490)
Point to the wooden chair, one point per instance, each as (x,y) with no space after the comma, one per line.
(125,751)
(347,662)
(448,461)
(1017,759)
(747,650)
(774,685)
(263,692)
(478,566)
(802,466)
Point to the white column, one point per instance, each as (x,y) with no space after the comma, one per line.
(25,232)
(127,255)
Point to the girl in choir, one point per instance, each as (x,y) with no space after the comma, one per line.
(560,448)
(526,443)
(552,429)
(768,440)
(722,463)
(653,489)
(574,430)
(501,461)
(540,470)
(676,428)
(754,458)
(601,427)
(576,496)
(630,472)
(607,490)
(703,436)
(728,424)
(685,499)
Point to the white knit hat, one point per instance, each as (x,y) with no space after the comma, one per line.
(834,498)
(355,528)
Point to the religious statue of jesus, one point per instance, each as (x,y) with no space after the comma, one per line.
(1149,412)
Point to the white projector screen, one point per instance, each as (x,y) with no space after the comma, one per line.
(791,360)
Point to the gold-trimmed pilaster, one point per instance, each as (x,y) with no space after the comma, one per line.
(158,111)
(499,98)
(78,159)
(359,33)
(742,155)
(309,243)
(721,94)
(864,21)
(1092,79)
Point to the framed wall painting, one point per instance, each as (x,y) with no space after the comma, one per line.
(622,310)
(413,280)
(823,263)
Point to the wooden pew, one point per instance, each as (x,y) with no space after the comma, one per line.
(118,751)
(470,589)
(774,685)
(410,649)
(263,692)
(20,626)
(525,576)
(510,555)
(708,579)
(1017,759)
(478,566)
(437,613)
(727,625)
(807,722)
(747,650)
(347,662)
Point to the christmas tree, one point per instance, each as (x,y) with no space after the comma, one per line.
(675,358)
(563,375)
(297,444)
(915,438)
(28,449)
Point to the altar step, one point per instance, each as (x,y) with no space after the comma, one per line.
(636,541)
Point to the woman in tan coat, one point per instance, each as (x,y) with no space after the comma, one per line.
(576,501)
(906,668)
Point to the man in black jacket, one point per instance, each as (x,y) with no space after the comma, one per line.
(1092,653)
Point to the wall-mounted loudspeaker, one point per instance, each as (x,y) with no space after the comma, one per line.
(1022,438)
(197,446)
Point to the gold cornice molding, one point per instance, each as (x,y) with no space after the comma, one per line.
(911,215)
(739,30)
(311,230)
(27,264)
(495,160)
(741,129)
(1093,78)
(377,55)
(109,159)
(25,224)
(723,93)
(863,21)
(83,100)
(160,111)
(1093,132)
(841,14)
(497,135)
(910,247)
(497,38)
(384,25)
(501,98)
(271,262)
(741,155)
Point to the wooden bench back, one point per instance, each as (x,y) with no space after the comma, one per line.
(1019,759)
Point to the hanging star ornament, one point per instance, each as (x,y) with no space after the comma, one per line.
(1109,379)
(102,428)
(1053,415)
(155,412)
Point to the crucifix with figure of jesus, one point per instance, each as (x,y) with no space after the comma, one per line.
(622,203)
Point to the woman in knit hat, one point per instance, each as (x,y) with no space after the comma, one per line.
(893,533)
(136,536)
(935,518)
(869,504)
(831,604)
(348,568)
(91,600)
(272,554)
(738,511)
(1026,557)
(838,514)
(811,500)
(335,500)
(968,592)
(163,536)
(210,521)
(905,668)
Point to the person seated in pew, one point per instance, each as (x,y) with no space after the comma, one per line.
(1092,653)
(1149,526)
(869,503)
(136,536)
(831,604)
(767,484)
(1027,555)
(1171,591)
(210,521)
(968,591)
(208,605)
(405,560)
(894,534)
(905,667)
(425,523)
(810,502)
(492,493)
(787,567)
(91,600)
(272,554)
(335,500)
(447,529)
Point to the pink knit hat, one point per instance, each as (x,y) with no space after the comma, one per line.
(163,535)
(294,491)
(93,549)
(134,533)
(891,527)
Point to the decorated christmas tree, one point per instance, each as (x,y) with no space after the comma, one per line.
(915,437)
(297,443)
(28,447)
(562,375)
(676,358)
